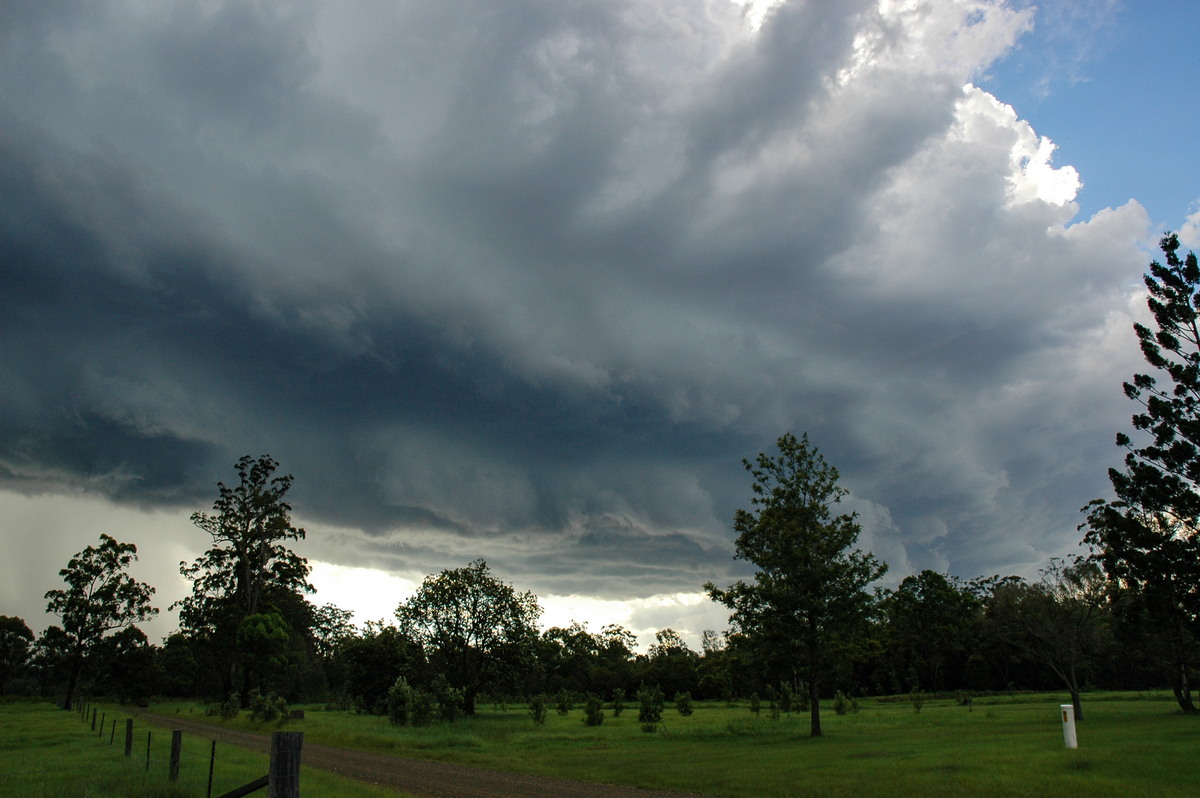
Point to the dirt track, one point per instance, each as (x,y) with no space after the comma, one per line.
(415,776)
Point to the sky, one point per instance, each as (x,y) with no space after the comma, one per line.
(527,281)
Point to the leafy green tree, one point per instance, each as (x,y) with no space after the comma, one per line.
(1058,622)
(262,640)
(931,629)
(127,667)
(569,656)
(1147,536)
(810,590)
(16,639)
(650,707)
(671,664)
(477,630)
(51,660)
(99,598)
(715,671)
(248,569)
(374,661)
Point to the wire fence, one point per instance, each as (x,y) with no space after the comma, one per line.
(197,765)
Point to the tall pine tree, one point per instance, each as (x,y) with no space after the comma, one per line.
(1148,536)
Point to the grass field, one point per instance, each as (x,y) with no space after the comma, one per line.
(1130,745)
(48,753)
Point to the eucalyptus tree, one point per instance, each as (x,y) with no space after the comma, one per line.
(810,590)
(1147,536)
(248,569)
(100,598)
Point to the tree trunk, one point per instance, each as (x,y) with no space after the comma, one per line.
(1182,688)
(1180,683)
(814,703)
(1073,688)
(73,679)
(814,692)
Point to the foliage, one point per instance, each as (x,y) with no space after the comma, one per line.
(809,591)
(16,640)
(618,702)
(331,629)
(374,660)
(450,701)
(409,705)
(670,663)
(537,709)
(917,699)
(99,598)
(247,570)
(593,710)
(931,629)
(843,703)
(1148,535)
(1058,621)
(683,704)
(230,707)
(478,630)
(650,707)
(266,708)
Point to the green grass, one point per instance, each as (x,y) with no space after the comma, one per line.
(1130,745)
(48,753)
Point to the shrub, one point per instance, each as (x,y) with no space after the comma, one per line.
(230,708)
(683,703)
(650,707)
(918,700)
(399,702)
(800,699)
(537,709)
(618,702)
(563,702)
(787,697)
(843,704)
(755,704)
(411,706)
(593,710)
(424,708)
(267,707)
(449,701)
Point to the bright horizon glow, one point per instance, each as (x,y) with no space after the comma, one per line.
(373,595)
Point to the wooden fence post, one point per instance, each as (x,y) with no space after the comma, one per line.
(93,718)
(148,735)
(176,750)
(283,779)
(103,717)
(212,761)
(128,737)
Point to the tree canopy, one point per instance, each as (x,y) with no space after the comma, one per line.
(99,598)
(810,589)
(15,640)
(477,629)
(248,571)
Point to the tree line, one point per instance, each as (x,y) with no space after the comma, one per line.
(811,623)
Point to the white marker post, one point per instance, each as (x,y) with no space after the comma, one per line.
(1068,716)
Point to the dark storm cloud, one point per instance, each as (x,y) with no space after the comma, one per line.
(528,280)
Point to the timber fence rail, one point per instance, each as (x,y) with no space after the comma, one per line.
(193,762)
